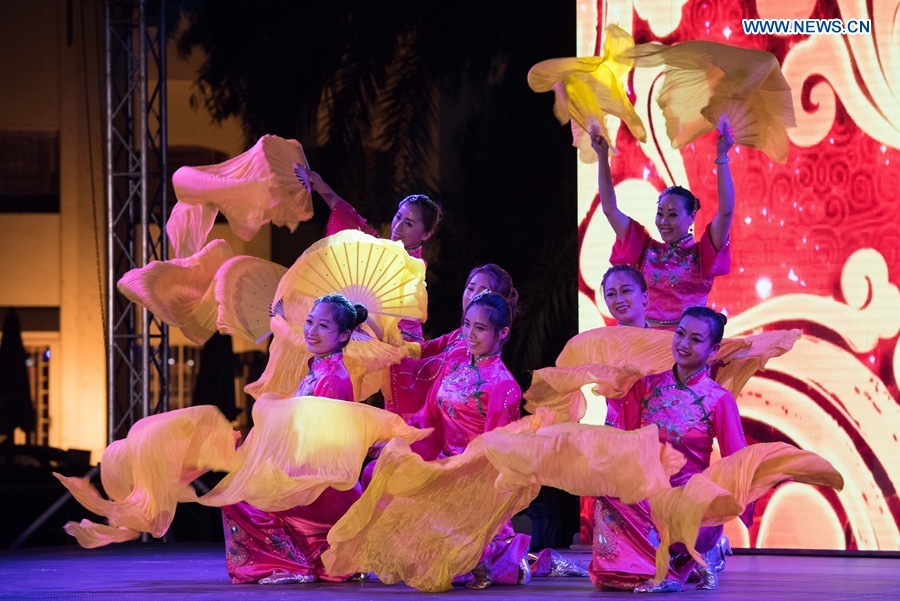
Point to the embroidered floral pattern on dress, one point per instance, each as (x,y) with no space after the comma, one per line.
(676,409)
(674,263)
(462,386)
(282,544)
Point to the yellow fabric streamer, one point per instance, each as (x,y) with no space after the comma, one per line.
(298,447)
(614,358)
(180,292)
(589,88)
(149,472)
(722,492)
(423,522)
(706,80)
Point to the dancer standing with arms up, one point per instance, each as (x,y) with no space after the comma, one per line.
(679,271)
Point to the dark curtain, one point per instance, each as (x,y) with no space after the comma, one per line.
(16,407)
(215,381)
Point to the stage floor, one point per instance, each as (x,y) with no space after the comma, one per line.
(143,572)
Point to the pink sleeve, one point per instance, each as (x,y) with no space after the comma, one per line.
(729,431)
(730,435)
(503,404)
(630,407)
(411,330)
(334,387)
(435,346)
(629,250)
(714,261)
(427,417)
(344,217)
(614,415)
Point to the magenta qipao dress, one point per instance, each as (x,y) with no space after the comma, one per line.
(689,415)
(259,543)
(412,379)
(344,217)
(472,396)
(679,275)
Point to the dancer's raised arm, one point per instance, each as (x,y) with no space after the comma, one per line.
(721,223)
(617,219)
(313,182)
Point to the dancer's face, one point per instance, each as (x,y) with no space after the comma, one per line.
(321,331)
(478,283)
(692,344)
(481,337)
(408,227)
(672,220)
(625,299)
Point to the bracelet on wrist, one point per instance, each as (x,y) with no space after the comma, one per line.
(722,161)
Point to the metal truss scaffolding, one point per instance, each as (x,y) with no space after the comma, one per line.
(137,205)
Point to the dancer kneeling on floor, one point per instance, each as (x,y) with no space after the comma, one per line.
(690,409)
(286,546)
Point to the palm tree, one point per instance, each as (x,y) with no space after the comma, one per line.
(402,96)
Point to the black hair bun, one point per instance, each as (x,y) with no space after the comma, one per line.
(362,314)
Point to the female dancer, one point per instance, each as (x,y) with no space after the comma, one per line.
(625,292)
(286,546)
(690,409)
(411,379)
(415,222)
(626,295)
(679,271)
(475,393)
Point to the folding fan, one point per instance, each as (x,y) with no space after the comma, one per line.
(378,274)
(251,190)
(589,88)
(706,80)
(180,292)
(244,289)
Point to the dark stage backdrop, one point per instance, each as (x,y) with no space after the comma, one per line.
(815,245)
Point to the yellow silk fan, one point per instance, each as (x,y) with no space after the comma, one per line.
(707,80)
(251,190)
(378,274)
(244,288)
(180,292)
(375,273)
(589,88)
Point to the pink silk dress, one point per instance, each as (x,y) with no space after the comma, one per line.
(472,396)
(412,379)
(689,415)
(260,543)
(344,217)
(679,275)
